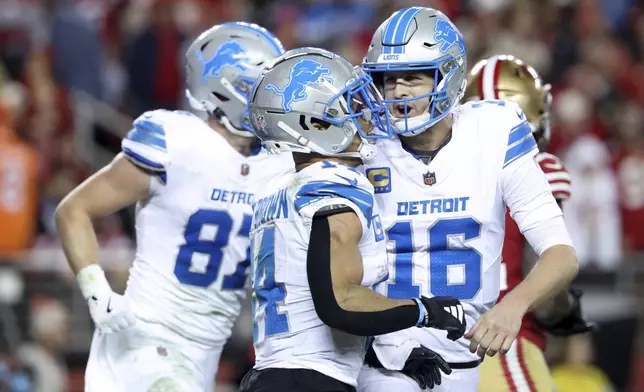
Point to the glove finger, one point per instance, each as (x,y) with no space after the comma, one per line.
(123,323)
(106,329)
(427,377)
(436,375)
(421,380)
(131,319)
(455,333)
(442,365)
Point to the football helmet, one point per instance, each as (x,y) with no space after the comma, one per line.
(221,67)
(420,39)
(506,77)
(312,100)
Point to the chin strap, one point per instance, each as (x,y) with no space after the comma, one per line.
(212,109)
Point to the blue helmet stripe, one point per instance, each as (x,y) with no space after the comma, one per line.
(401,22)
(399,39)
(388,33)
(277,45)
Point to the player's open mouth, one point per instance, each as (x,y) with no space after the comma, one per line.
(399,110)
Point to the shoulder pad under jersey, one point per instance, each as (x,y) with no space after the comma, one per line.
(145,144)
(331,180)
(506,120)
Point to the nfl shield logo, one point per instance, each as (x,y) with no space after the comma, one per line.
(429,178)
(261,122)
(161,351)
(245,169)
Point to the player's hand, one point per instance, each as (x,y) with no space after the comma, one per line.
(445,313)
(496,330)
(111,312)
(425,366)
(574,323)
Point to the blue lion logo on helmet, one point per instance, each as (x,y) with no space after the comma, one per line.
(447,35)
(304,73)
(230,54)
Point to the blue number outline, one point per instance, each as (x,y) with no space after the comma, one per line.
(408,289)
(455,290)
(237,280)
(403,289)
(213,248)
(268,294)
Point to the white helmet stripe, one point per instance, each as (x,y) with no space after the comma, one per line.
(489,78)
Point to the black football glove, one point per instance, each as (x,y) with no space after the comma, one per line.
(445,313)
(423,366)
(572,324)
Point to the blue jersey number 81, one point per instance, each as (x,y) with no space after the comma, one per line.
(442,258)
(212,248)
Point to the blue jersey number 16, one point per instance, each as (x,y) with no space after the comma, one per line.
(464,263)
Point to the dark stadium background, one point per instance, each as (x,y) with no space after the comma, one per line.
(73,74)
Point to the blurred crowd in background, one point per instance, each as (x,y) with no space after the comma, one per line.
(73,73)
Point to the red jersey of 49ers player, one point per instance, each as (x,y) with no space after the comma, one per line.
(512,265)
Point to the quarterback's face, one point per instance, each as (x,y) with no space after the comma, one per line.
(405,85)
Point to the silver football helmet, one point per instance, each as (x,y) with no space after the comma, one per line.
(312,100)
(420,39)
(221,67)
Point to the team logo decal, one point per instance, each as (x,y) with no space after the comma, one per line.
(304,73)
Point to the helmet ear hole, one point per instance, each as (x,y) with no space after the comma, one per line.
(319,125)
(221,97)
(303,123)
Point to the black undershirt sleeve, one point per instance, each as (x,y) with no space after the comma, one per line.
(318,268)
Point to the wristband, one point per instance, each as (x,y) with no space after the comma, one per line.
(422,313)
(92,281)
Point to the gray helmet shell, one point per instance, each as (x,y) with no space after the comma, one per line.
(221,67)
(305,86)
(417,39)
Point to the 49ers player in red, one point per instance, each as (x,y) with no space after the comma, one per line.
(524,367)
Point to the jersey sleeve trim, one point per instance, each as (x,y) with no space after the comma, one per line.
(145,146)
(140,160)
(148,133)
(318,190)
(520,143)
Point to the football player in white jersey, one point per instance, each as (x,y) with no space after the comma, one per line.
(193,184)
(442,187)
(317,242)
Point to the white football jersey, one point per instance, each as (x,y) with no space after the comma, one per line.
(444,221)
(287,330)
(192,254)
